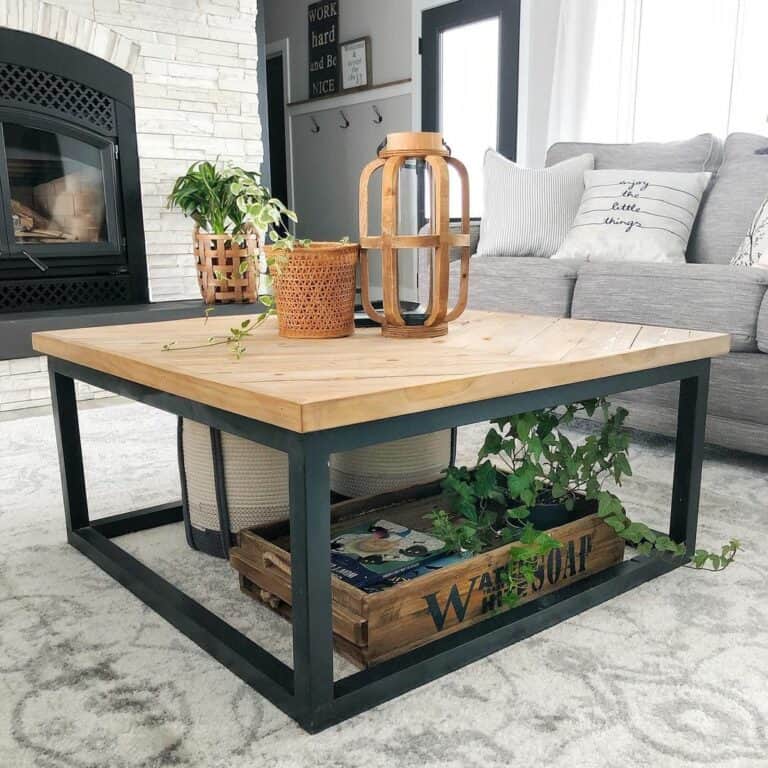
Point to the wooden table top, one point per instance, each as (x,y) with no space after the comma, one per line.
(317,384)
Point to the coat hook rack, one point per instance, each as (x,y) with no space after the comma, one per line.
(346,123)
(378,119)
(315,127)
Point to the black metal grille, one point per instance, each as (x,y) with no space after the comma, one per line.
(30,87)
(23,295)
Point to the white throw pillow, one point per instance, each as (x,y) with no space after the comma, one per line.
(635,216)
(753,251)
(528,210)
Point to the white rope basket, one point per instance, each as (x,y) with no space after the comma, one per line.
(391,466)
(255,476)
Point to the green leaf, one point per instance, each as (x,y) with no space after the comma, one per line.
(616,523)
(519,513)
(491,446)
(485,480)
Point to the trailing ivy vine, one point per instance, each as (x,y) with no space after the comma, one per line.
(526,460)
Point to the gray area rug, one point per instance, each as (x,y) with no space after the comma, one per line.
(672,674)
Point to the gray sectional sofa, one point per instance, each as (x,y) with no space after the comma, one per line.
(704,294)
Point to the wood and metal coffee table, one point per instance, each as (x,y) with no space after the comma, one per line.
(313,398)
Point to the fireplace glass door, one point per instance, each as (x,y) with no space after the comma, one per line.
(58,193)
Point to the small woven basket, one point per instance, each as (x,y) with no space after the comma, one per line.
(315,290)
(218,259)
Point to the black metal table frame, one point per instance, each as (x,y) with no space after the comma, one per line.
(308,692)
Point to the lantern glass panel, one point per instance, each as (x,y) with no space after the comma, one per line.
(414,273)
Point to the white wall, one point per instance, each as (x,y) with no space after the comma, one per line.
(194,69)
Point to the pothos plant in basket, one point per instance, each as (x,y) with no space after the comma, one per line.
(231,202)
(531,477)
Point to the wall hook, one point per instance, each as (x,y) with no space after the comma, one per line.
(378,119)
(315,127)
(345,124)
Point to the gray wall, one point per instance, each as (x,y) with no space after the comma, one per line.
(327,165)
(388,22)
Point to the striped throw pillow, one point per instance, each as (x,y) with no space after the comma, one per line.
(528,211)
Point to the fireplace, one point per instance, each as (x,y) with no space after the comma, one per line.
(71,231)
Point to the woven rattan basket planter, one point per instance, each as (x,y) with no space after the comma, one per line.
(315,290)
(391,466)
(219,261)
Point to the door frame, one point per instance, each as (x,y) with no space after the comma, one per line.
(450,15)
(418,7)
(282,48)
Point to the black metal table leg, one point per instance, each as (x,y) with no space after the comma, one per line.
(309,490)
(70,451)
(689,456)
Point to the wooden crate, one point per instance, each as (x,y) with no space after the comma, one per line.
(370,628)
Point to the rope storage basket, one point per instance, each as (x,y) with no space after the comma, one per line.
(226,272)
(227,478)
(229,484)
(315,290)
(391,466)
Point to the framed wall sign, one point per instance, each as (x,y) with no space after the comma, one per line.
(323,26)
(356,64)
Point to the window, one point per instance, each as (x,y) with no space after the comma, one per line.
(469,101)
(654,70)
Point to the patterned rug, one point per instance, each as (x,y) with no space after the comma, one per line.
(671,674)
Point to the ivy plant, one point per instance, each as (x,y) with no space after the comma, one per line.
(527,459)
(232,201)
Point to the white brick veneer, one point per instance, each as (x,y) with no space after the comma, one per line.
(194,69)
(24,384)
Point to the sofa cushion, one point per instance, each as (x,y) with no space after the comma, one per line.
(524,284)
(737,389)
(704,297)
(731,203)
(701,153)
(762,326)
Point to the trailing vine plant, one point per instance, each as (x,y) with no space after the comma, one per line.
(527,460)
(232,201)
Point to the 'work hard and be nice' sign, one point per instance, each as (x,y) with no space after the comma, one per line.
(323,48)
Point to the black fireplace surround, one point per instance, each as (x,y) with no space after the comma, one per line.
(71,228)
(72,248)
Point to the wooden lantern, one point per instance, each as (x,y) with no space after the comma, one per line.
(432,320)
